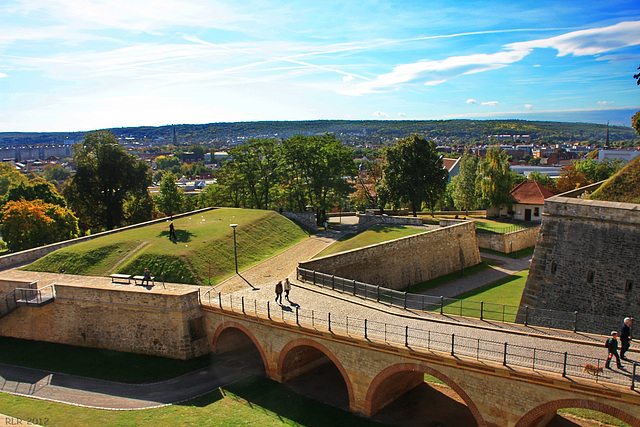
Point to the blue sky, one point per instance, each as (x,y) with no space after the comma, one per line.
(75,65)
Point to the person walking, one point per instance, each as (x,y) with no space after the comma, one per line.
(279,292)
(287,288)
(172,231)
(625,337)
(612,345)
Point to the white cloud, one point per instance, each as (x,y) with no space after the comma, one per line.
(434,82)
(402,115)
(380,114)
(605,102)
(3,75)
(528,106)
(489,103)
(470,101)
(588,42)
(347,79)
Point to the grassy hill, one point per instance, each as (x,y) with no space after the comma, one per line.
(623,186)
(202,255)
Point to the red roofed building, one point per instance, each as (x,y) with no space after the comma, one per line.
(529,200)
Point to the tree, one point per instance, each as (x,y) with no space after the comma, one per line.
(106,175)
(544,180)
(168,162)
(570,180)
(55,172)
(9,177)
(495,179)
(38,189)
(28,224)
(599,171)
(463,186)
(138,208)
(414,173)
(170,198)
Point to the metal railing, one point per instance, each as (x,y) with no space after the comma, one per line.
(543,318)
(509,354)
(30,296)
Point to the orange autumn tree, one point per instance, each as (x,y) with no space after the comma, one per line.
(27,224)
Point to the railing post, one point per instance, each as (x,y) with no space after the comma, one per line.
(354,287)
(297,316)
(405,301)
(481,309)
(406,336)
(504,357)
(575,322)
(268,310)
(564,366)
(378,297)
(329,321)
(314,277)
(526,315)
(633,377)
(313,320)
(243,305)
(220,299)
(333,282)
(365,329)
(453,341)
(441,303)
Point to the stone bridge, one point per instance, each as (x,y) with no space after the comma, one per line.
(375,373)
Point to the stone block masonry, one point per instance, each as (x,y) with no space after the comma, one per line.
(587,259)
(406,261)
(161,322)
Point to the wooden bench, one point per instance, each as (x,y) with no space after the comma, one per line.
(140,279)
(120,278)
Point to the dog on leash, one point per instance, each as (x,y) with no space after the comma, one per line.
(593,370)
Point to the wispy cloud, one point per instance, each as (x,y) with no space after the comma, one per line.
(380,115)
(528,106)
(605,102)
(470,101)
(492,103)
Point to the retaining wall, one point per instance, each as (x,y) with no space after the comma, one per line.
(509,242)
(115,317)
(406,261)
(366,221)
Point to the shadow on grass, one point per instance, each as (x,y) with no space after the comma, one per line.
(448,278)
(516,254)
(182,235)
(95,363)
(283,403)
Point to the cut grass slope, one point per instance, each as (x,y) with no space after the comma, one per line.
(203,254)
(371,236)
(624,186)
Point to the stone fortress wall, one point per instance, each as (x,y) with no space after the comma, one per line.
(406,261)
(162,321)
(587,259)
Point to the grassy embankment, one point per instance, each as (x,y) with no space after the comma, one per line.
(202,255)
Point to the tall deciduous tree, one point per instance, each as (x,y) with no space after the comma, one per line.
(463,186)
(105,176)
(414,174)
(255,165)
(27,224)
(495,179)
(170,199)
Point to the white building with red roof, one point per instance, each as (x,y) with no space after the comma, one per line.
(529,200)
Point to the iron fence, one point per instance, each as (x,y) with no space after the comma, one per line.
(542,318)
(413,338)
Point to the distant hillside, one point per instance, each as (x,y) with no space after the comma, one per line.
(623,186)
(203,254)
(354,131)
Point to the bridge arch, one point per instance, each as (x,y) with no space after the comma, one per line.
(227,326)
(283,368)
(379,395)
(549,409)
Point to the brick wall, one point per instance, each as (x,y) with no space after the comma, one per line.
(520,239)
(116,317)
(366,221)
(587,260)
(405,261)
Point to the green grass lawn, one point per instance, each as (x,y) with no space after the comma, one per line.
(253,401)
(447,278)
(501,299)
(371,236)
(202,255)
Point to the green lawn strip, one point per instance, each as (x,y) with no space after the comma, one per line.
(203,254)
(371,236)
(94,362)
(252,401)
(592,415)
(501,299)
(517,254)
(447,278)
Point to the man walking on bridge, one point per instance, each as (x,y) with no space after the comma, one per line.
(279,292)
(612,345)
(625,337)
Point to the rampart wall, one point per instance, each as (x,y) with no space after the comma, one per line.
(306,220)
(587,260)
(406,261)
(366,221)
(509,242)
(161,322)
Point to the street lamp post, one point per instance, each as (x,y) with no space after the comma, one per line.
(235,249)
